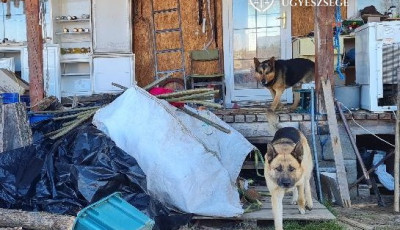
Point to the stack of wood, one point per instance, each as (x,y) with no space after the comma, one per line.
(193,96)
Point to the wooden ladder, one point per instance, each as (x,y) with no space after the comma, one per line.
(169,51)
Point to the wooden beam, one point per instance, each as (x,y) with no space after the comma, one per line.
(336,145)
(324,75)
(35,220)
(35,51)
(397,150)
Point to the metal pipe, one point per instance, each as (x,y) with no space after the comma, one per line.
(353,143)
(315,146)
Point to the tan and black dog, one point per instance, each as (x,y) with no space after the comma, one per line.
(278,75)
(288,167)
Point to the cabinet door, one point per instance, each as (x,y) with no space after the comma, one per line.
(51,70)
(107,70)
(112,26)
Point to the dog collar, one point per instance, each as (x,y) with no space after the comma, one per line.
(270,83)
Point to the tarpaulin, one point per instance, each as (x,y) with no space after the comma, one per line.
(190,166)
(66,175)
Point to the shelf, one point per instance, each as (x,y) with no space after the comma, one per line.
(81,60)
(76,20)
(75,74)
(72,33)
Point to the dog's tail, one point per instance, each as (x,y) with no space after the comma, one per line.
(273,121)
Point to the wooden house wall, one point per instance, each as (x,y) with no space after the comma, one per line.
(194,39)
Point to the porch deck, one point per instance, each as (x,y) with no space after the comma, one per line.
(290,212)
(250,121)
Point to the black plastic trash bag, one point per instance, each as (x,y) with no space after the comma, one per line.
(68,174)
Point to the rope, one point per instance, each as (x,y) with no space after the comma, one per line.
(336,42)
(352,117)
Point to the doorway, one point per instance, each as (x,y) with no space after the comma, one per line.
(249,33)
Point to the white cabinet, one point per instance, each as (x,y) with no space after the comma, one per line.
(112,32)
(109,69)
(51,69)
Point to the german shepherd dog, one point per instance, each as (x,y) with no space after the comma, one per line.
(278,75)
(288,167)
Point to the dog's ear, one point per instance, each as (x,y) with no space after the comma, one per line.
(256,62)
(271,153)
(271,62)
(298,152)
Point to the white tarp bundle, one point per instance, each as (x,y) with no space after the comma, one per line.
(189,165)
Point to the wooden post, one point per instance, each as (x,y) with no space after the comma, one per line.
(35,52)
(397,150)
(324,76)
(323,35)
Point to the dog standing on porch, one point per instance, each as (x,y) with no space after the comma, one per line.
(288,167)
(278,75)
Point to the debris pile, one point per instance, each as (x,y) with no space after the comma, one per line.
(148,145)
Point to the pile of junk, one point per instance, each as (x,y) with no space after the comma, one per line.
(143,159)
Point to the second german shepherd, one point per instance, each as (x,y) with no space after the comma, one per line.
(277,75)
(288,167)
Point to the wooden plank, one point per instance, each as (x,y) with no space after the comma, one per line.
(336,145)
(259,129)
(397,151)
(15,131)
(290,211)
(35,52)
(260,140)
(356,224)
(288,214)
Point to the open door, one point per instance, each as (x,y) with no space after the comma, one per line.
(253,28)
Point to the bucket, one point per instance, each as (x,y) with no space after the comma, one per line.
(349,96)
(9,98)
(112,212)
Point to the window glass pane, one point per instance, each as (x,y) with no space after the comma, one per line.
(268,42)
(244,75)
(244,15)
(268,20)
(244,44)
(255,34)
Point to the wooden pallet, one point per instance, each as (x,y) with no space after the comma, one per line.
(290,212)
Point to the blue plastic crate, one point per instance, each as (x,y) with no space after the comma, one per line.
(112,213)
(9,98)
(35,118)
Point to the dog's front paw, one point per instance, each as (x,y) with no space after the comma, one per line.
(302,210)
(309,207)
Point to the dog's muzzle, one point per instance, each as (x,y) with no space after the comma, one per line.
(285,183)
(264,82)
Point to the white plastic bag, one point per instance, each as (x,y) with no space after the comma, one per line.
(385,178)
(189,165)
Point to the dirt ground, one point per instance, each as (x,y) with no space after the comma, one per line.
(368,215)
(365,214)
